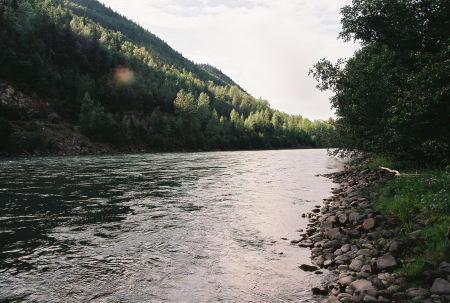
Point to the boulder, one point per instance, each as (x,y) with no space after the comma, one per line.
(332,232)
(440,287)
(309,268)
(353,218)
(394,246)
(417,292)
(363,287)
(334,244)
(320,291)
(342,259)
(386,262)
(346,248)
(356,265)
(347,280)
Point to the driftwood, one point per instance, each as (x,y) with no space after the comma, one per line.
(396,172)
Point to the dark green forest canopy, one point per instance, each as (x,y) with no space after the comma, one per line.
(392,96)
(124,85)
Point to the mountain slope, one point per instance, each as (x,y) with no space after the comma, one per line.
(122,85)
(160,50)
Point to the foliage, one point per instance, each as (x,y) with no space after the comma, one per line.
(124,85)
(94,122)
(392,96)
(423,196)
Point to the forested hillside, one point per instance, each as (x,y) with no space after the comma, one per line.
(118,83)
(393,96)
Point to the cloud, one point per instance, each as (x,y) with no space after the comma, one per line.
(265,46)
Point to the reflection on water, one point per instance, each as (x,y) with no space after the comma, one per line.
(185,227)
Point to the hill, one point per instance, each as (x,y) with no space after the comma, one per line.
(118,84)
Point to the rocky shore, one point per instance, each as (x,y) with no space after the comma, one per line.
(357,243)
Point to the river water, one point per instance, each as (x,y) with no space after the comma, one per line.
(176,227)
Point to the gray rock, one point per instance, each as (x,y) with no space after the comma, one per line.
(363,275)
(343,296)
(343,218)
(353,218)
(332,232)
(417,292)
(356,265)
(318,261)
(386,262)
(370,299)
(336,191)
(394,289)
(342,259)
(384,300)
(387,234)
(334,244)
(445,267)
(347,280)
(394,246)
(364,252)
(320,291)
(332,300)
(369,224)
(338,237)
(415,235)
(346,248)
(353,233)
(338,252)
(328,263)
(363,287)
(440,287)
(342,267)
(366,268)
(384,293)
(327,224)
(306,267)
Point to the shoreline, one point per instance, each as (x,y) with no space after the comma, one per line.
(358,245)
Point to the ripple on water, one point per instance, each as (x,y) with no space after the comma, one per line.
(182,227)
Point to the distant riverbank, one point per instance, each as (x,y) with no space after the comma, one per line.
(67,140)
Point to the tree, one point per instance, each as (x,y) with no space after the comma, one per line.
(94,122)
(185,104)
(392,96)
(407,25)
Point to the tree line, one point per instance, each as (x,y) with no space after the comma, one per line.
(392,97)
(123,85)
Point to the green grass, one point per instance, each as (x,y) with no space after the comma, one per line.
(423,195)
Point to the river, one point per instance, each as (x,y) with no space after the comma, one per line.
(170,227)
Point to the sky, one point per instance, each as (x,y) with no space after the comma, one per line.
(267,47)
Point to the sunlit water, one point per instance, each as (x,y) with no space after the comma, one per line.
(183,227)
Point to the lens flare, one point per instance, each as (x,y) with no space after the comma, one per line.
(123,76)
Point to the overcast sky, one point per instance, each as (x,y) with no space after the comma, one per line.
(265,46)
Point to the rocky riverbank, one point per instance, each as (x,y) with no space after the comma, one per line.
(347,236)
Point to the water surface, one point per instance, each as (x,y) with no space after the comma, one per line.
(181,227)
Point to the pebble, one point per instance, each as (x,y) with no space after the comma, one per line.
(358,244)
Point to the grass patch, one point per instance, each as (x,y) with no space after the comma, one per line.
(414,199)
